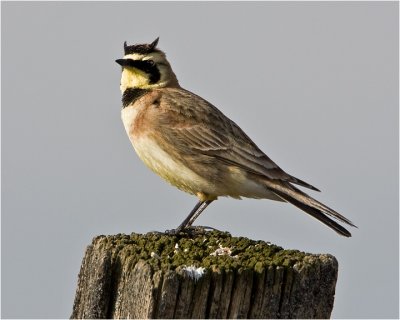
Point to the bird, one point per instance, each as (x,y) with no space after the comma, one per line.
(192,145)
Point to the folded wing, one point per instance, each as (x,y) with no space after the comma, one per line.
(196,127)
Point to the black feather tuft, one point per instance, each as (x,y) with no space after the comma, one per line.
(141,48)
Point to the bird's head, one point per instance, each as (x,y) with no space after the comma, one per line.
(144,66)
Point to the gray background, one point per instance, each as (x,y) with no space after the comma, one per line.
(314,84)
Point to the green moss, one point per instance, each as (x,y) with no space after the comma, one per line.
(214,249)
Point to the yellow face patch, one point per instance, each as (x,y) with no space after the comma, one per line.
(133,78)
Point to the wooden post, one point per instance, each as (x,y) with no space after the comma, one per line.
(208,275)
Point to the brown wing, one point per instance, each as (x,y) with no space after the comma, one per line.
(199,131)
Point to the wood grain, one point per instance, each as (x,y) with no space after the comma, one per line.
(208,275)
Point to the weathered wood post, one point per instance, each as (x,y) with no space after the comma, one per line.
(208,275)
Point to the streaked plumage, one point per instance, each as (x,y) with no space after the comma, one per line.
(195,147)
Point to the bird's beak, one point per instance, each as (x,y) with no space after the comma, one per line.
(122,62)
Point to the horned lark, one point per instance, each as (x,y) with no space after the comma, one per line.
(195,147)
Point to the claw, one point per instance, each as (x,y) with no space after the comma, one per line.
(190,231)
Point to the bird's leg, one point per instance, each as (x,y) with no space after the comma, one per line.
(196,211)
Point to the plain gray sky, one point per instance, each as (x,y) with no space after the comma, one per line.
(314,84)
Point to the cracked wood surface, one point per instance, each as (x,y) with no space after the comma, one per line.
(209,275)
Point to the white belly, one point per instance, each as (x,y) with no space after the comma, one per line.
(161,162)
(168,168)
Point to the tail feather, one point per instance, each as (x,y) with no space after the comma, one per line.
(309,205)
(316,213)
(322,207)
(303,183)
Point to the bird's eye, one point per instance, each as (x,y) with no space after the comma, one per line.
(150,62)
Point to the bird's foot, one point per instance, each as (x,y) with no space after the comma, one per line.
(155,232)
(190,230)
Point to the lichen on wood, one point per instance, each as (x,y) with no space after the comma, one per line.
(205,275)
